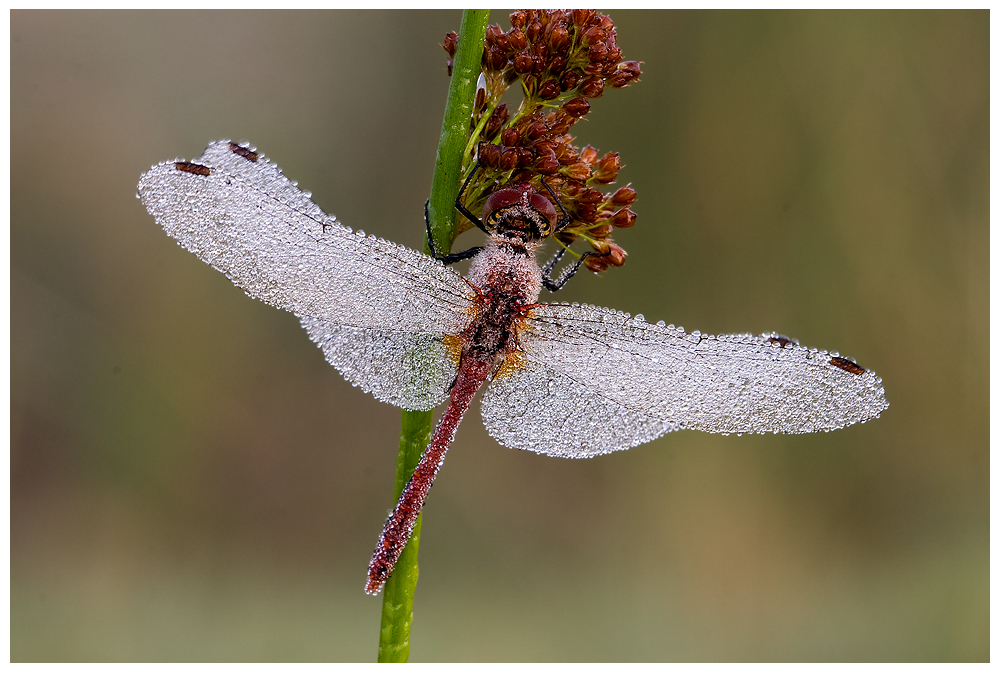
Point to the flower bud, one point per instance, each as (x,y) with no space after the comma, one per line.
(496,120)
(586,212)
(503,43)
(634,68)
(607,168)
(569,80)
(592,36)
(596,263)
(533,30)
(559,38)
(524,157)
(517,40)
(588,155)
(581,17)
(620,80)
(511,137)
(523,63)
(559,122)
(577,107)
(547,165)
(548,90)
(567,155)
(598,52)
(578,172)
(625,196)
(616,254)
(557,65)
(518,19)
(592,87)
(623,219)
(508,159)
(495,58)
(450,43)
(601,231)
(489,155)
(535,130)
(546,148)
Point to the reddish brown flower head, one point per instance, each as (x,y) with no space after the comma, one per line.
(562,59)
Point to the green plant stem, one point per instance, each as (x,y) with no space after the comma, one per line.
(455,128)
(417,426)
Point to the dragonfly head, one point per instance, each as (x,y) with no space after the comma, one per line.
(519,212)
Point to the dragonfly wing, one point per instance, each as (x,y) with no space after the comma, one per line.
(413,370)
(671,379)
(239,213)
(539,408)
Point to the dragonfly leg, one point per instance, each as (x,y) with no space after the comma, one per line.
(566,218)
(549,265)
(446,259)
(461,206)
(555,284)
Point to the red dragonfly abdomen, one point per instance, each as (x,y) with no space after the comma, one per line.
(399,526)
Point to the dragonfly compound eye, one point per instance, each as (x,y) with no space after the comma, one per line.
(519,211)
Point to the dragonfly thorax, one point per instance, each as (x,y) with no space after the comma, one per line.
(519,212)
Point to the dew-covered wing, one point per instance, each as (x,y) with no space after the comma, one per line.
(237,211)
(412,370)
(539,408)
(593,380)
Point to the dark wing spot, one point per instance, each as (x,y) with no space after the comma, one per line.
(188,167)
(244,152)
(847,365)
(781,341)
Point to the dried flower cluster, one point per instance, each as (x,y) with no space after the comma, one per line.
(562,58)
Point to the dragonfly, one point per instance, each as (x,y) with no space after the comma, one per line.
(565,380)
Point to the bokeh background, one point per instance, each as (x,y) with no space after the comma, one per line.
(191,481)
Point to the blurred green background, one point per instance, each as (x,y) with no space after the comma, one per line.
(191,481)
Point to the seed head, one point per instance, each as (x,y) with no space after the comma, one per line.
(562,59)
